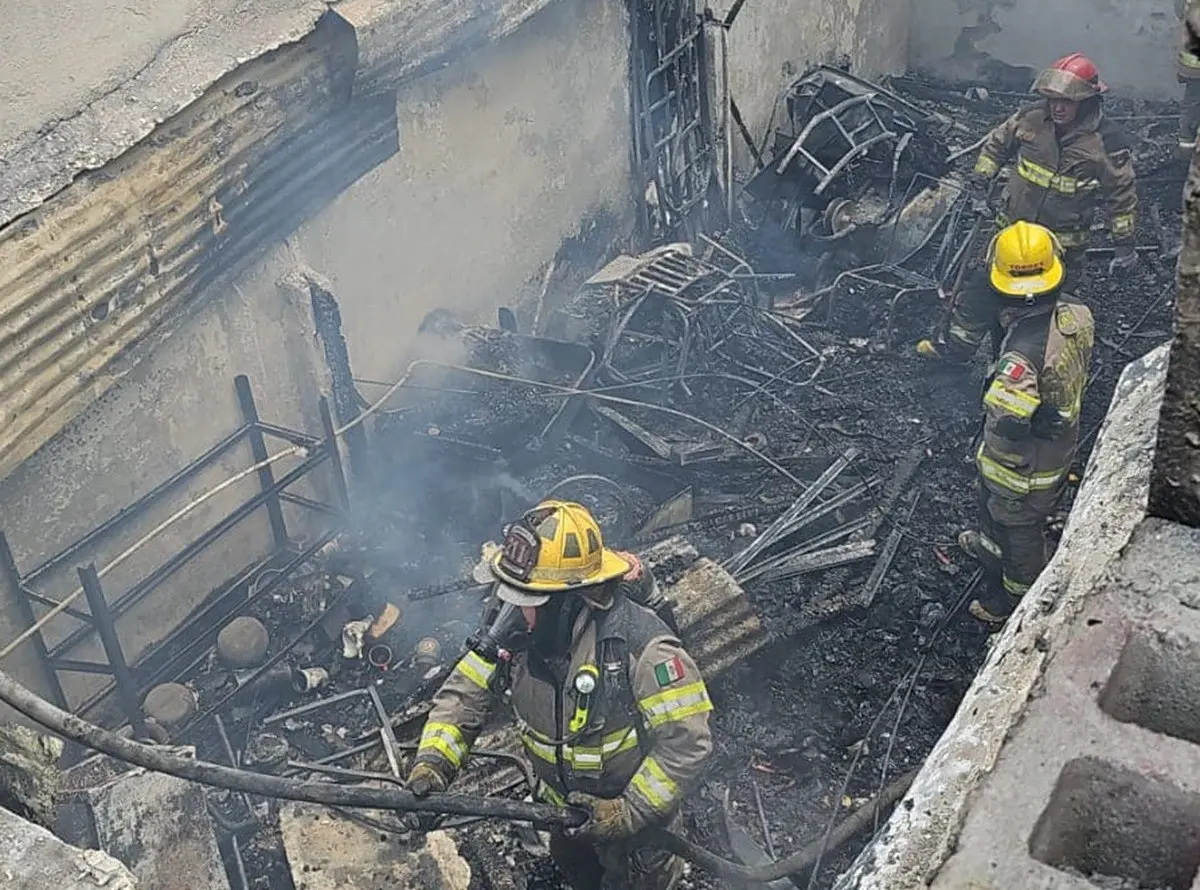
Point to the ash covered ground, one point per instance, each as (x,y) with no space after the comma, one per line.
(824,694)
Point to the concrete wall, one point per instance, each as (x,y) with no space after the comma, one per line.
(163,414)
(503,156)
(771,42)
(1132,41)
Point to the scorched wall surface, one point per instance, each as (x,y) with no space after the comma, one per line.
(502,154)
(1132,41)
(771,42)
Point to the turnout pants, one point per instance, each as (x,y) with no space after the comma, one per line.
(1013,541)
(620,866)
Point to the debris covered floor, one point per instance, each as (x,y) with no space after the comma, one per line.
(773,373)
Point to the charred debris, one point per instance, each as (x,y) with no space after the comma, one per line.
(749,395)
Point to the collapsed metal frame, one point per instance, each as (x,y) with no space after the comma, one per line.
(672,126)
(159,661)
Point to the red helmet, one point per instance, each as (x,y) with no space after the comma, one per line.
(1072,77)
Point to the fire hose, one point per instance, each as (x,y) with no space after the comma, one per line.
(163,760)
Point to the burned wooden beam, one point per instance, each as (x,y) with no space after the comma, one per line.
(783,525)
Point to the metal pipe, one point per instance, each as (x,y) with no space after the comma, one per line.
(102,618)
(212,616)
(138,506)
(258,448)
(386,735)
(10,577)
(144,587)
(163,760)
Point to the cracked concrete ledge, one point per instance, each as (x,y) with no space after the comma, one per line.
(35,164)
(923,831)
(31,858)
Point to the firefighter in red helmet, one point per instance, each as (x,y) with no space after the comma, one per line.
(1069,162)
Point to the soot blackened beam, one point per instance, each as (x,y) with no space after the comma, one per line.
(102,618)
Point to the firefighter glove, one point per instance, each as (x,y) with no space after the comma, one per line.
(424,778)
(1124,259)
(609,819)
(1047,422)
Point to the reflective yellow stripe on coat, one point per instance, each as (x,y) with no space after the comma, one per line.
(1006,477)
(654,786)
(1057,182)
(1011,401)
(675,704)
(477,669)
(583,757)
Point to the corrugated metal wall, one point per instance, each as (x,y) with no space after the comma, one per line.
(107,265)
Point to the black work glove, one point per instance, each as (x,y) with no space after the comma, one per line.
(1046,422)
(425,778)
(1124,260)
(979,187)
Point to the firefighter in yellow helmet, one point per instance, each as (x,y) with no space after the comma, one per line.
(611,709)
(1031,402)
(1069,161)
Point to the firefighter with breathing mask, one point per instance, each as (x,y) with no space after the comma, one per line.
(612,711)
(1067,157)
(1031,403)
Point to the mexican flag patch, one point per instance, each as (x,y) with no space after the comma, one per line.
(1012,369)
(667,672)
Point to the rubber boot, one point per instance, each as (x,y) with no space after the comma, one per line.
(993,606)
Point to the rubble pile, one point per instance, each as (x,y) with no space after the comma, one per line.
(753,400)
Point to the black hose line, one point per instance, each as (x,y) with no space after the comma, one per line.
(800,861)
(161,760)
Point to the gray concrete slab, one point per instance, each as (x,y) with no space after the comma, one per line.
(328,852)
(31,858)
(83,80)
(160,826)
(1077,791)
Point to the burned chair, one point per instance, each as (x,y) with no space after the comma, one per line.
(848,159)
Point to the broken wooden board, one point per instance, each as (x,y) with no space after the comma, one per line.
(326,851)
(159,826)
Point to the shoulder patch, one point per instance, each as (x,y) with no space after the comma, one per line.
(667,672)
(1012,368)
(1066,319)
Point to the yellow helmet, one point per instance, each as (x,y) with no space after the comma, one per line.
(1026,261)
(556,546)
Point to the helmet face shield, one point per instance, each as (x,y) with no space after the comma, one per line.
(1074,78)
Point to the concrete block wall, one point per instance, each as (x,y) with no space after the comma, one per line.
(966,767)
(1134,42)
(1102,776)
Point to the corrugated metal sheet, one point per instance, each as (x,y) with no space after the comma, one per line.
(115,258)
